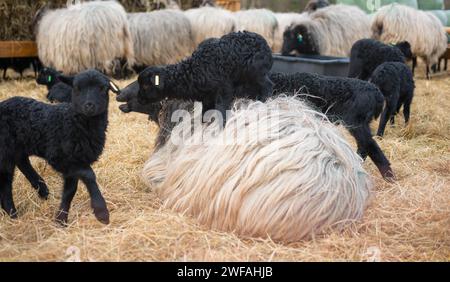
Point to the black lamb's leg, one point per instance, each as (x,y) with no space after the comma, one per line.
(98,203)
(69,191)
(383,121)
(428,72)
(266,88)
(6,197)
(407,109)
(414,64)
(224,102)
(368,146)
(33,177)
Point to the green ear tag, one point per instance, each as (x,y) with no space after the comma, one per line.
(49,78)
(300,38)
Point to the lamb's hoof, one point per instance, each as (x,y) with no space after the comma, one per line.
(388,174)
(43,191)
(61,218)
(13,214)
(102,215)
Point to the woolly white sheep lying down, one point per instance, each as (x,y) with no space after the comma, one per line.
(284,172)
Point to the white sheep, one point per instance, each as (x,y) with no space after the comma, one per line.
(84,36)
(210,22)
(160,37)
(278,169)
(329,31)
(423,30)
(261,21)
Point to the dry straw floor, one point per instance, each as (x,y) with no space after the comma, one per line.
(406,221)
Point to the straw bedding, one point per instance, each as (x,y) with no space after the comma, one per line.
(408,220)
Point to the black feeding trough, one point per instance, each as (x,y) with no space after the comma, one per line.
(331,66)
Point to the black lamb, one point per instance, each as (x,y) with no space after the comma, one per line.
(57,91)
(354,102)
(220,70)
(396,82)
(69,136)
(159,112)
(367,54)
(19,65)
(129,96)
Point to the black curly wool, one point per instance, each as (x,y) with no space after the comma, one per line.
(220,70)
(396,82)
(69,136)
(367,54)
(57,90)
(354,102)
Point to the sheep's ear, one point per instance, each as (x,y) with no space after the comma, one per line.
(66,79)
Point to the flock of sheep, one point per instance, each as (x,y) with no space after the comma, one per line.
(113,39)
(283,159)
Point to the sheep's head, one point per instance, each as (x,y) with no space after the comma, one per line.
(47,76)
(297,38)
(90,91)
(405,47)
(129,95)
(151,84)
(314,5)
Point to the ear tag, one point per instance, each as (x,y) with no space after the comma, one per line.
(49,78)
(114,87)
(156,80)
(300,38)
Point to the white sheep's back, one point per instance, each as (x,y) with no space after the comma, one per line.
(278,169)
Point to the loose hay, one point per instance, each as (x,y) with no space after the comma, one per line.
(278,169)
(408,220)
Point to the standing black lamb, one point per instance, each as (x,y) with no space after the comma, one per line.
(396,82)
(70,136)
(236,65)
(354,102)
(57,91)
(367,54)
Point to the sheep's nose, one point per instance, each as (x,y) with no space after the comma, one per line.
(89,108)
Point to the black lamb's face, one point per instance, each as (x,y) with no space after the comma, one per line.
(297,38)
(405,47)
(47,76)
(151,83)
(90,92)
(129,95)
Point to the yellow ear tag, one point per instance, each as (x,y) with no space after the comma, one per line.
(156,80)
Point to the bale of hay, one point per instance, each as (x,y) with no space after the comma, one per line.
(278,169)
(17,17)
